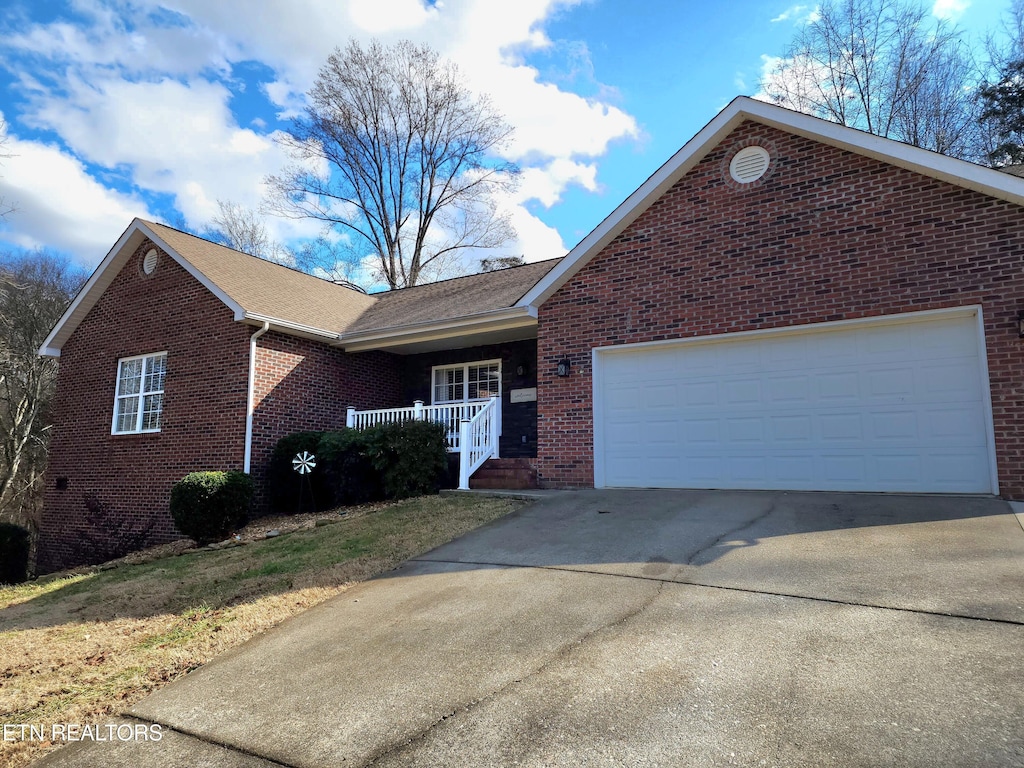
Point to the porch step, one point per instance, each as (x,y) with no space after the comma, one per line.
(505,474)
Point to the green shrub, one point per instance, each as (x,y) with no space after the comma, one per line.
(348,474)
(390,461)
(285,486)
(411,457)
(14,546)
(207,506)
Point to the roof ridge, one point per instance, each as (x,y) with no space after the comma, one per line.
(296,270)
(464,277)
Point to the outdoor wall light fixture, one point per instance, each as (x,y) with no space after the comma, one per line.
(1020,323)
(564,368)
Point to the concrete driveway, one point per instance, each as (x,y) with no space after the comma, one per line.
(640,628)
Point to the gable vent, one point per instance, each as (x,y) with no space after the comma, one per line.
(149,262)
(749,164)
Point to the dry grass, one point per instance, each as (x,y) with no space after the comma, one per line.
(82,647)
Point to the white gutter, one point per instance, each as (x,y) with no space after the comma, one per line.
(481,322)
(249,405)
(292,329)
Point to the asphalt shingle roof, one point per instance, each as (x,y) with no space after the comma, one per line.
(268,289)
(450,299)
(275,291)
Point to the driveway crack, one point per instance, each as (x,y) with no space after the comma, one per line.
(731,533)
(559,655)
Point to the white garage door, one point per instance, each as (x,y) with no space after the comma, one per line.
(893,405)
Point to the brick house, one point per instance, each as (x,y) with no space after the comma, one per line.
(785,304)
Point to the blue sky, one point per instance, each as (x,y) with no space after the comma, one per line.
(159,108)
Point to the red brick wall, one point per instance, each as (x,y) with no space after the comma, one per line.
(308,385)
(300,385)
(203,420)
(825,235)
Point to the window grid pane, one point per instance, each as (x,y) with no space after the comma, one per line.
(483,381)
(130,377)
(156,368)
(127,413)
(448,385)
(152,407)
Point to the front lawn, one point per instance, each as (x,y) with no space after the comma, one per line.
(80,648)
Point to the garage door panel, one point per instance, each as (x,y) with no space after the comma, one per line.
(792,428)
(888,407)
(839,386)
(699,431)
(789,389)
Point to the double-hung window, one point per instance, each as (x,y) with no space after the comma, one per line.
(467,382)
(139,399)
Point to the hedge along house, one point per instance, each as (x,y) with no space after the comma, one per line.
(785,304)
(181,355)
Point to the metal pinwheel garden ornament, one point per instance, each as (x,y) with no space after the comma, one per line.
(304,463)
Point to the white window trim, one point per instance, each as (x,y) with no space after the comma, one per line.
(141,395)
(465,384)
(465,381)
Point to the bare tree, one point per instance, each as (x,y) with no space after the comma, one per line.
(5,207)
(886,67)
(398,156)
(34,291)
(244,230)
(501,262)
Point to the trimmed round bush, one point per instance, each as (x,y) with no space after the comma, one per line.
(208,506)
(14,546)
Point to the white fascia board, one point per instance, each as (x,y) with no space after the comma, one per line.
(493,320)
(960,173)
(87,296)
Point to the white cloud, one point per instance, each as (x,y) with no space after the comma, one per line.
(950,9)
(789,13)
(177,138)
(59,205)
(150,97)
(382,16)
(546,184)
(799,14)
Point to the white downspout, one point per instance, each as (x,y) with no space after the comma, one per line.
(249,405)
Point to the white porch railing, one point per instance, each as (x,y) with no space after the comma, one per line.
(478,441)
(471,428)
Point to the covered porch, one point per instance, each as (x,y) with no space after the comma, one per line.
(485,396)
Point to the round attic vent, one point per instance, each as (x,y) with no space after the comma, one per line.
(149,262)
(749,164)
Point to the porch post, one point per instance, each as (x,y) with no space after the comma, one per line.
(350,417)
(495,427)
(464,454)
(417,408)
